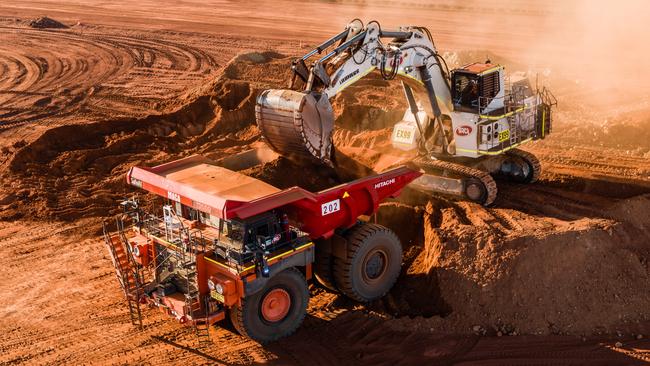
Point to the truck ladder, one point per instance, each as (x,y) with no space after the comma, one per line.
(193,301)
(126,271)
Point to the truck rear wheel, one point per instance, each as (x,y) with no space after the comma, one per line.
(373,263)
(274,312)
(324,269)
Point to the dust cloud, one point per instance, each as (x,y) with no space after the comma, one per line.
(601,44)
(595,48)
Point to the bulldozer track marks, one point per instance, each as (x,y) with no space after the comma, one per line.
(65,305)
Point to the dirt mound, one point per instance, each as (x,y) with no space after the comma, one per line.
(634,211)
(45,22)
(579,278)
(623,132)
(77,170)
(505,271)
(369,104)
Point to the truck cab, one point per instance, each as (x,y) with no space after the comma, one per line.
(239,240)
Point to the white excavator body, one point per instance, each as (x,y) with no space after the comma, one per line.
(462,125)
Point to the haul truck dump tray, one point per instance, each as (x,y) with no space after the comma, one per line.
(198,183)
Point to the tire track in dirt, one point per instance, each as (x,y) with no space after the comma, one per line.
(51,73)
(75,171)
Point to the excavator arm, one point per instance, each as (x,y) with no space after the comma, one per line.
(298,123)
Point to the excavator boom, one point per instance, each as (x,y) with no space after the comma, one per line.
(298,122)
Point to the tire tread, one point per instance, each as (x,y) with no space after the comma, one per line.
(356,238)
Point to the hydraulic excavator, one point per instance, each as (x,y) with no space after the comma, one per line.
(462,127)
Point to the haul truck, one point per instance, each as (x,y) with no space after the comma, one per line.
(226,244)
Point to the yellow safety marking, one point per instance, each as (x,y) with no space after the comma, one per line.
(215,262)
(493,118)
(269,259)
(346,194)
(480,152)
(504,135)
(292,250)
(356,78)
(489,70)
(217,296)
(281,255)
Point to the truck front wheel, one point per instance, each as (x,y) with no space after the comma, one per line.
(274,312)
(372,264)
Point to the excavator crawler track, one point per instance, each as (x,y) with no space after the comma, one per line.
(457,169)
(531,159)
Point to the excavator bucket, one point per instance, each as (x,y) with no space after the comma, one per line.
(297,125)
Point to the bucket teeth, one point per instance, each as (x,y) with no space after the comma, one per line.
(295,124)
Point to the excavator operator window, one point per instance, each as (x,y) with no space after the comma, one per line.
(472,92)
(465,91)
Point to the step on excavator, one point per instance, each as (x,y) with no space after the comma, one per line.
(462,127)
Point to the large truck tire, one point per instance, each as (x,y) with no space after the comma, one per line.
(274,312)
(324,269)
(373,263)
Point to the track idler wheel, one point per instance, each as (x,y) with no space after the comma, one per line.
(521,167)
(372,265)
(297,125)
(275,311)
(475,190)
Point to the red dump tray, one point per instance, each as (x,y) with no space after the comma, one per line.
(199,183)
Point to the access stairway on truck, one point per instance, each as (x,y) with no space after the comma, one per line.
(190,243)
(126,270)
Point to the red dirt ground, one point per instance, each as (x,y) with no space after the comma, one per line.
(556,272)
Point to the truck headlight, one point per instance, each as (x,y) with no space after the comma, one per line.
(211,285)
(219,288)
(136,251)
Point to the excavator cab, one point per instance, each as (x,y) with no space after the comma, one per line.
(475,86)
